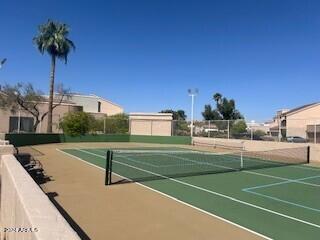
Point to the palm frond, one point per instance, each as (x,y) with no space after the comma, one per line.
(52,38)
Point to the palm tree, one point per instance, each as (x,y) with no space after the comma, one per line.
(217,97)
(53,38)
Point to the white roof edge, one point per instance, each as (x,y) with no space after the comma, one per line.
(94,96)
(302,109)
(111,102)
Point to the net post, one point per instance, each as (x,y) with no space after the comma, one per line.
(110,167)
(107,180)
(308,154)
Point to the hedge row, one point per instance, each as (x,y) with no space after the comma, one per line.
(26,139)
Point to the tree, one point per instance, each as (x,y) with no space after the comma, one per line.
(225,109)
(210,114)
(76,123)
(239,127)
(217,97)
(176,115)
(118,123)
(25,97)
(53,38)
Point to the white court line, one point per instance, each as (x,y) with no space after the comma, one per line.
(256,173)
(216,193)
(173,198)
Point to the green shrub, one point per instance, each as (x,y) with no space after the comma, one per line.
(118,123)
(257,134)
(239,127)
(76,123)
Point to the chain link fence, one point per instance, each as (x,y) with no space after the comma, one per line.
(286,130)
(289,130)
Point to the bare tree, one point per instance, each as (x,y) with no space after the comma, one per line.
(25,97)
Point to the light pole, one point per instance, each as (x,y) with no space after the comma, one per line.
(251,128)
(1,65)
(192,93)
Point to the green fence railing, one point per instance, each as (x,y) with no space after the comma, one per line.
(25,139)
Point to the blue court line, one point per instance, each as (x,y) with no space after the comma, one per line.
(283,201)
(298,180)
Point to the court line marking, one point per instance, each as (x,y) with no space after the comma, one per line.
(172,198)
(245,171)
(255,173)
(285,182)
(281,200)
(216,193)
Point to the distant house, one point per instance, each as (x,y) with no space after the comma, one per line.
(302,121)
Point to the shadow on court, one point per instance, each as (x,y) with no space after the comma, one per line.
(69,219)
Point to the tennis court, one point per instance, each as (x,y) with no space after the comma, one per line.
(271,193)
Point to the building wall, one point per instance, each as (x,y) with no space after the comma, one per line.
(152,124)
(58,113)
(140,127)
(297,123)
(90,104)
(109,108)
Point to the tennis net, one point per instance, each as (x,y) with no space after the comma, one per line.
(145,165)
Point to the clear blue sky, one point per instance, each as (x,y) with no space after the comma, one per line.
(144,55)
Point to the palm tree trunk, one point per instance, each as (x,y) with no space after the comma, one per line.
(53,68)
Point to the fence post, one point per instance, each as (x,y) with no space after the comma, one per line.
(279,129)
(209,130)
(172,127)
(228,129)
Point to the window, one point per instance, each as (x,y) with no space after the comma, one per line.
(99,106)
(26,124)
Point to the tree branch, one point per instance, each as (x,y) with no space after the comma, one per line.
(61,99)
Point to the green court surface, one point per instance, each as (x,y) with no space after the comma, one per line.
(278,202)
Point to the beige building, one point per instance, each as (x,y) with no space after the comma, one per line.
(96,105)
(152,124)
(303,121)
(22,121)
